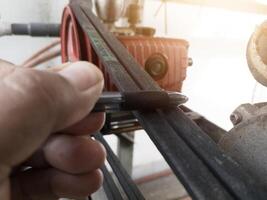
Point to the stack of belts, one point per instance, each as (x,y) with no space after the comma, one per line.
(194,158)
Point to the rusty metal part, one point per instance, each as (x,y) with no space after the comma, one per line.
(247,141)
(257,54)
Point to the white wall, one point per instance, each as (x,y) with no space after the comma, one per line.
(220,80)
(17,48)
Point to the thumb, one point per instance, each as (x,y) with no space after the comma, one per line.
(37,103)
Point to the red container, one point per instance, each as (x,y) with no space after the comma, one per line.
(165,59)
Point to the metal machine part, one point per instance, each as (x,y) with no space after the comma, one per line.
(157,66)
(247,141)
(257,54)
(134,13)
(76,46)
(123,122)
(109,10)
(31,29)
(162,54)
(144,100)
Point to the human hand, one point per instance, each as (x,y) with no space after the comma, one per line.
(44,123)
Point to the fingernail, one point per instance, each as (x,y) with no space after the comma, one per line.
(82,75)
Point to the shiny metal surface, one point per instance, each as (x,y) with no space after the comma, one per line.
(113,101)
(109,10)
(176,98)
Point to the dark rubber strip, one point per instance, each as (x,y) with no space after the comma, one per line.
(125,180)
(110,188)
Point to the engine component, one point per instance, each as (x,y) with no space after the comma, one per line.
(109,10)
(257,54)
(145,31)
(157,66)
(134,13)
(165,59)
(247,141)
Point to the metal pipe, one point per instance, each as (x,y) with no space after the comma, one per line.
(31,29)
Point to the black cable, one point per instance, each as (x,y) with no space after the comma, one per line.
(129,187)
(110,188)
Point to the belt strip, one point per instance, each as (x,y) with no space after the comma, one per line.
(195,176)
(125,180)
(110,188)
(196,160)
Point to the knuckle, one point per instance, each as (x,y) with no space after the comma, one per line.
(77,162)
(92,183)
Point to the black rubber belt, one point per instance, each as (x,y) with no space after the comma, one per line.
(110,188)
(206,173)
(199,182)
(125,180)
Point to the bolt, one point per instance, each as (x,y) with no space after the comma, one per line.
(190,62)
(236,118)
